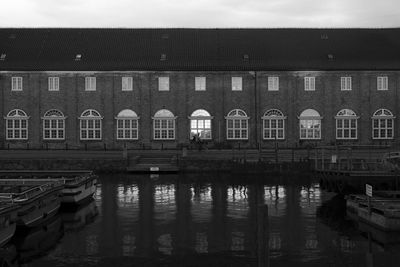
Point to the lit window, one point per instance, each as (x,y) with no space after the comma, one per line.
(200,83)
(127,84)
(346,124)
(273,125)
(164,125)
(16,84)
(236,83)
(90,122)
(127,125)
(345,83)
(17,125)
(53,125)
(200,124)
(90,83)
(382,83)
(237,125)
(310,124)
(273,83)
(309,83)
(163,83)
(382,124)
(54,84)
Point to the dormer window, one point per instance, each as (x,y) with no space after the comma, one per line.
(78,57)
(3,56)
(163,57)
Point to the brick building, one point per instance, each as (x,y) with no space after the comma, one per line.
(92,88)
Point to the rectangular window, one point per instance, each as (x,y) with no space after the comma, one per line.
(54,84)
(90,83)
(163,83)
(200,83)
(345,83)
(273,83)
(382,83)
(16,84)
(236,83)
(127,84)
(309,83)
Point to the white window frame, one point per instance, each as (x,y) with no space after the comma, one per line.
(346,124)
(164,125)
(16,118)
(127,125)
(234,124)
(16,83)
(163,83)
(309,83)
(346,83)
(90,83)
(311,131)
(200,83)
(273,83)
(90,124)
(237,83)
(382,117)
(271,128)
(54,83)
(201,124)
(382,83)
(126,83)
(56,125)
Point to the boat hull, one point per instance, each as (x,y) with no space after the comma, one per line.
(75,193)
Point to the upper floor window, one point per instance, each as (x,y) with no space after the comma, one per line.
(90,124)
(17,125)
(382,124)
(163,83)
(345,83)
(310,124)
(127,125)
(273,83)
(54,84)
(16,83)
(200,124)
(382,83)
(309,83)
(90,83)
(200,83)
(236,83)
(273,125)
(164,125)
(346,124)
(127,83)
(53,125)
(237,125)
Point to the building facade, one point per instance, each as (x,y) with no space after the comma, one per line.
(51,103)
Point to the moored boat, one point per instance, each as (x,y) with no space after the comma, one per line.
(36,200)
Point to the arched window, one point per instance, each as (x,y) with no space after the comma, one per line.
(127,125)
(200,124)
(310,124)
(237,125)
(346,124)
(90,122)
(17,125)
(164,125)
(53,125)
(382,124)
(273,125)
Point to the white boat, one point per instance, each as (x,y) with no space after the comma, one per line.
(79,188)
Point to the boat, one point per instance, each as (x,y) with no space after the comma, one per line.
(380,211)
(36,200)
(8,217)
(76,219)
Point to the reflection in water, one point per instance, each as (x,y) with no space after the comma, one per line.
(205,221)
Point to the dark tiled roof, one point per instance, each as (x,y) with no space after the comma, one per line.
(199,49)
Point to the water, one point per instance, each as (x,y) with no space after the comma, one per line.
(196,220)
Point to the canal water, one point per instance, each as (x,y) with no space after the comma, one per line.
(204,220)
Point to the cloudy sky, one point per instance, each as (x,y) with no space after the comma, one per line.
(200,13)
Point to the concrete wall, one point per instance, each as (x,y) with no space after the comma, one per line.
(182,100)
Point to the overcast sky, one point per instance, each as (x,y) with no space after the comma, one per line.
(200,13)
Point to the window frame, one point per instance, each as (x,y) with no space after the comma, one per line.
(90,83)
(379,119)
(234,116)
(50,118)
(53,84)
(127,132)
(158,125)
(237,83)
(94,117)
(17,83)
(206,120)
(312,121)
(270,116)
(346,83)
(163,84)
(309,83)
(382,83)
(273,83)
(21,117)
(200,83)
(126,83)
(346,121)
